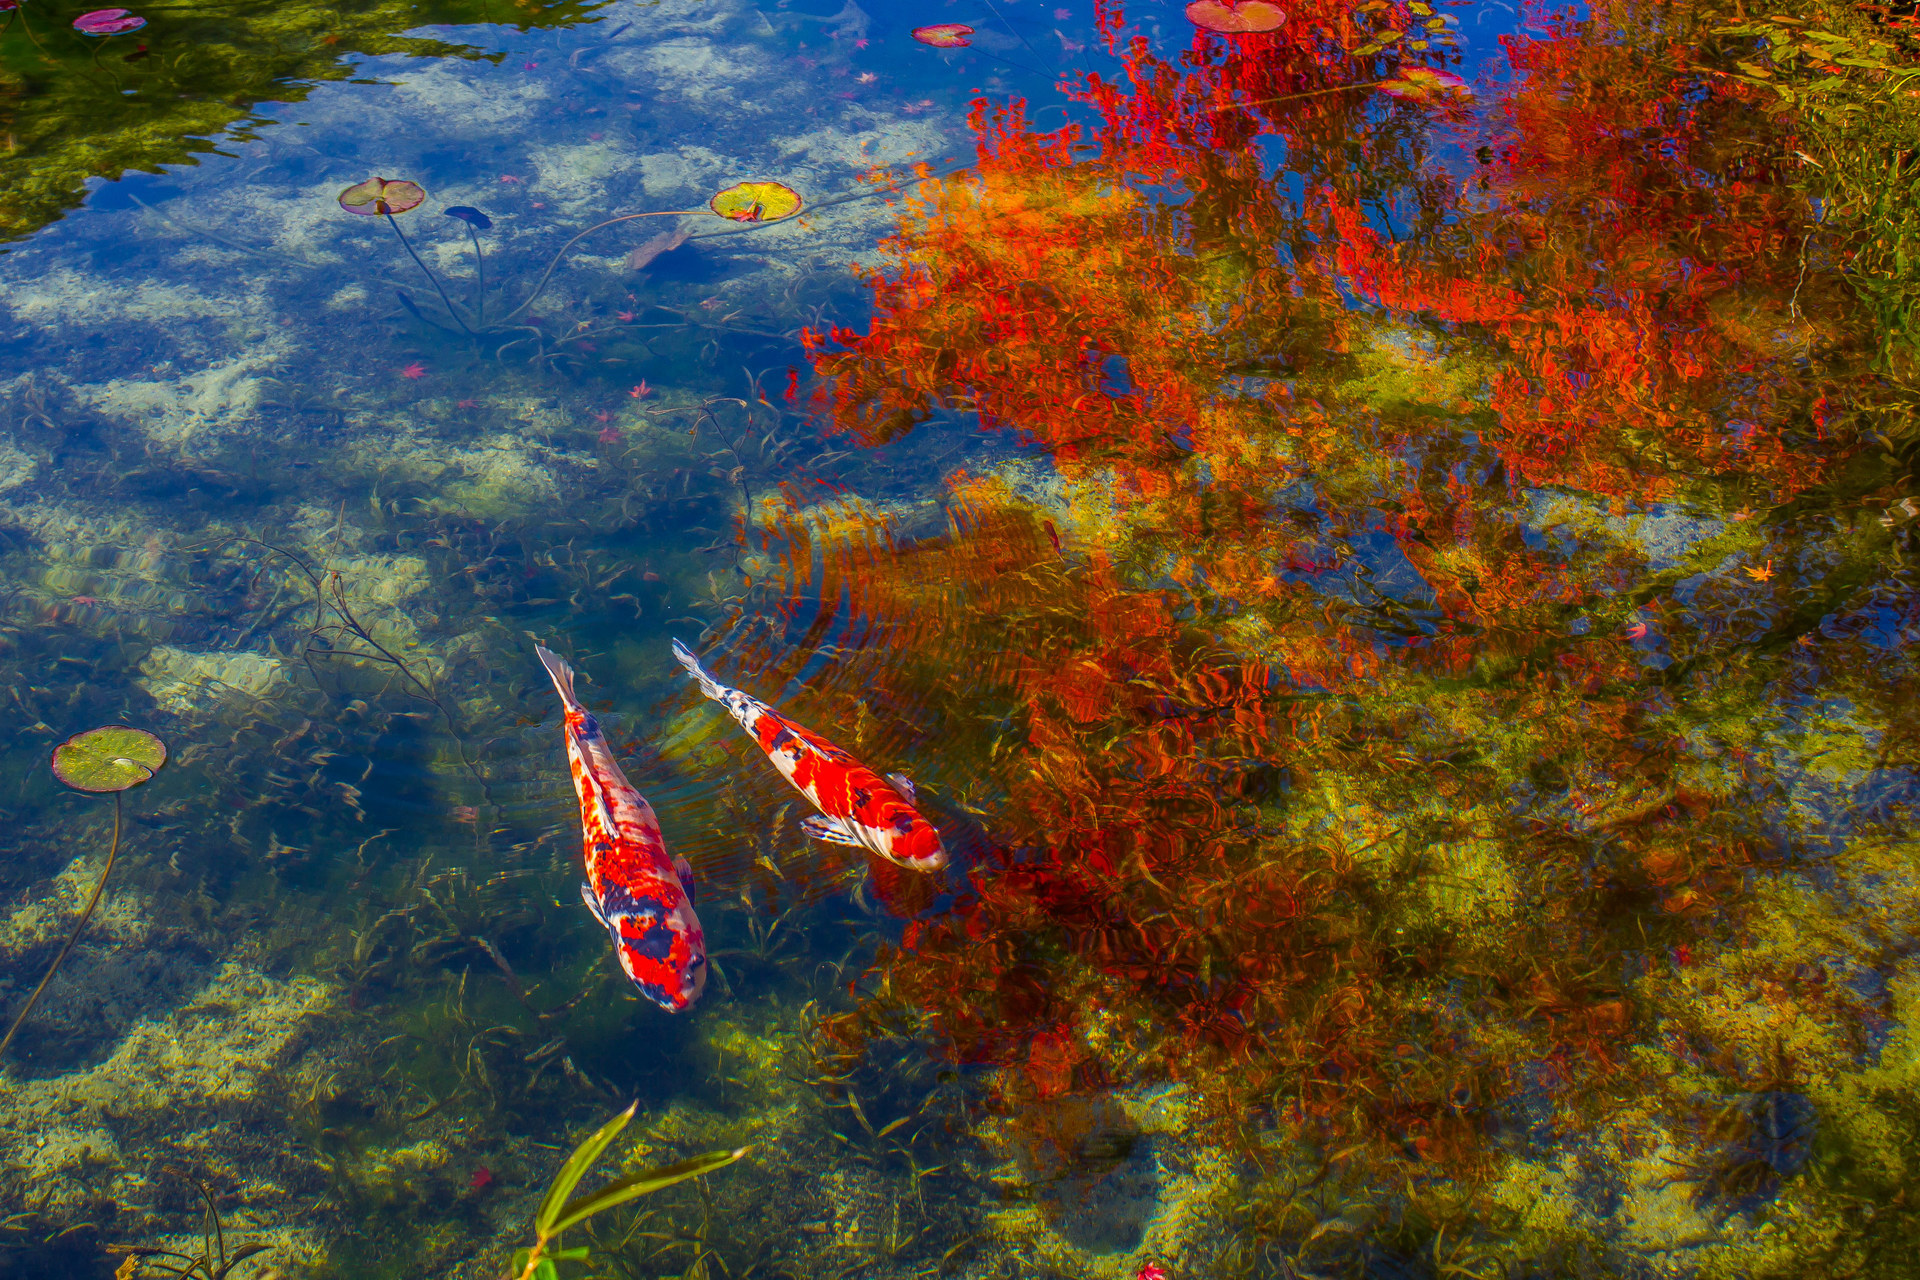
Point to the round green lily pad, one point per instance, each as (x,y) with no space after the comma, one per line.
(756,202)
(109,759)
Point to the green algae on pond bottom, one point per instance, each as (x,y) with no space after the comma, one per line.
(74,109)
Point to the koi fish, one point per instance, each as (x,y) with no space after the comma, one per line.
(641,896)
(858,807)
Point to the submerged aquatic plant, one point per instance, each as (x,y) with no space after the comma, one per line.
(213,1262)
(757,202)
(557,1211)
(382,197)
(109,759)
(476,223)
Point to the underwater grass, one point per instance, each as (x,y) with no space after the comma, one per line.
(560,1209)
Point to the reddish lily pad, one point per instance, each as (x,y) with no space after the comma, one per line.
(1417,84)
(1236,15)
(108,22)
(945,35)
(756,202)
(109,759)
(376,196)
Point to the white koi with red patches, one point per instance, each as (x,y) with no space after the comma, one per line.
(858,807)
(641,895)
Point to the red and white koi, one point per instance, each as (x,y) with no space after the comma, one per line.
(642,896)
(858,807)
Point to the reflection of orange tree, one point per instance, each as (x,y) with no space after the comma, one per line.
(1347,847)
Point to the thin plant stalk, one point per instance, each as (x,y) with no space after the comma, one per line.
(431,278)
(480,274)
(1010,31)
(1310,93)
(113,851)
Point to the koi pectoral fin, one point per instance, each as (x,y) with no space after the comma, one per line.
(684,870)
(831,830)
(903,784)
(593,904)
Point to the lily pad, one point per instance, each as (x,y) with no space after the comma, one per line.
(108,22)
(376,196)
(1417,84)
(109,759)
(471,216)
(945,35)
(1232,16)
(756,202)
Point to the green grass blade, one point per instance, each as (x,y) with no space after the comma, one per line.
(545,1221)
(240,1255)
(618,1193)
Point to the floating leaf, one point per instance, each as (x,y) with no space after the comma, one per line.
(1417,84)
(1236,15)
(108,22)
(945,35)
(471,216)
(109,759)
(376,196)
(756,202)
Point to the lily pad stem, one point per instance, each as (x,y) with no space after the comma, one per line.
(431,278)
(480,271)
(86,915)
(1310,93)
(541,287)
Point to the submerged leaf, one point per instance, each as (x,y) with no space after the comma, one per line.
(756,202)
(108,759)
(945,35)
(546,1218)
(665,242)
(471,216)
(376,196)
(1227,15)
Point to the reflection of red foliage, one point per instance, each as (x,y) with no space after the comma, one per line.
(1212,865)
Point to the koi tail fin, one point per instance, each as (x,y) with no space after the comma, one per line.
(708,685)
(562,673)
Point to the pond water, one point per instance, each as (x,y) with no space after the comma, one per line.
(1383,536)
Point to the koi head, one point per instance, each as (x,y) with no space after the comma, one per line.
(916,844)
(660,946)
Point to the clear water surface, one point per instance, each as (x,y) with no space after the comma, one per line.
(1385,540)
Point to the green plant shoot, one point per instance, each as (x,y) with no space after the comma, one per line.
(557,1211)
